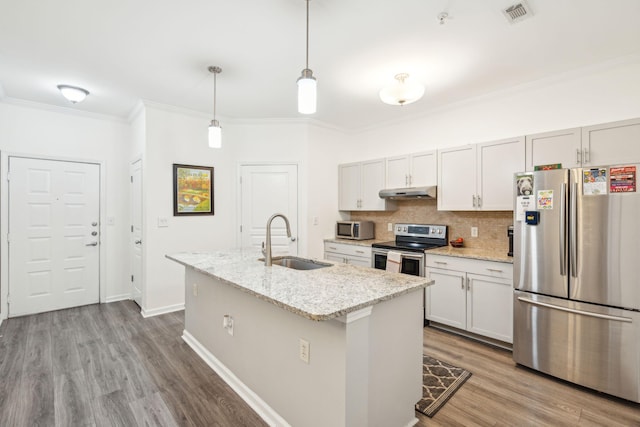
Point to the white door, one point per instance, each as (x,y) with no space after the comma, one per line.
(497,162)
(266,190)
(349,186)
(457,178)
(54,235)
(136,232)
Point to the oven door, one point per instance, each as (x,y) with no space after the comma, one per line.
(412,263)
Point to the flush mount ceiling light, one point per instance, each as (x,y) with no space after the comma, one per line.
(215,131)
(72,93)
(402,92)
(307,83)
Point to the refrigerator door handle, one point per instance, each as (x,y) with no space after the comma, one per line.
(574,230)
(563,230)
(574,311)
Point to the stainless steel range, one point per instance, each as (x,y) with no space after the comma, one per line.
(411,241)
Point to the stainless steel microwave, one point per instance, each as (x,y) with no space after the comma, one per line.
(356,230)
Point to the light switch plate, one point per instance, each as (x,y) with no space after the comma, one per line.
(163,221)
(474,231)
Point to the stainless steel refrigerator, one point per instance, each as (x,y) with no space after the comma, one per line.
(577,276)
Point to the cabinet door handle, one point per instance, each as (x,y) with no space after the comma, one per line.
(496,270)
(578,156)
(474,200)
(332,247)
(360,252)
(410,179)
(585,155)
(462,284)
(440,262)
(468,284)
(479,201)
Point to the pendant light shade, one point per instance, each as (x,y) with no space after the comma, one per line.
(307,83)
(73,94)
(402,92)
(307,92)
(215,131)
(215,134)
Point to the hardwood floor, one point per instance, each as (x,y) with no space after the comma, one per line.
(106,365)
(499,393)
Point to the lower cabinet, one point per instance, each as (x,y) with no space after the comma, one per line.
(471,295)
(348,254)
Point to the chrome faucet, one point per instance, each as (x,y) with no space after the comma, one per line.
(266,249)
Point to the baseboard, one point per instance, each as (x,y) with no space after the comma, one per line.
(413,422)
(162,310)
(486,340)
(266,412)
(116,298)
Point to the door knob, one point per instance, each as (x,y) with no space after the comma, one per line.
(92,244)
(137,242)
(94,223)
(94,233)
(293,239)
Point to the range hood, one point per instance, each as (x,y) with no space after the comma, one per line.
(409,193)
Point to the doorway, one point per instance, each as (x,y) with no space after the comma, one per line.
(265,190)
(54,234)
(136,232)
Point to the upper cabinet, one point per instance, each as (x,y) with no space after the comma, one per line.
(414,170)
(359,185)
(605,144)
(611,143)
(562,146)
(479,176)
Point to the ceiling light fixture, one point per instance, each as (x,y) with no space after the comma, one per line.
(73,94)
(307,93)
(402,92)
(215,131)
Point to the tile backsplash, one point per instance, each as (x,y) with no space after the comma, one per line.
(492,225)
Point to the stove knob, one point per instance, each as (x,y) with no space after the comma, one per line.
(404,229)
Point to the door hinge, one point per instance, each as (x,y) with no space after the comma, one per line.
(132,228)
(8,238)
(240,180)
(132,277)
(131,178)
(8,176)
(241,229)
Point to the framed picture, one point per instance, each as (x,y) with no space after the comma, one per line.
(192,190)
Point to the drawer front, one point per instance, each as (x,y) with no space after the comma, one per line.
(501,270)
(346,249)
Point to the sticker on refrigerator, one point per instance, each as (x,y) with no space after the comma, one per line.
(594,181)
(545,199)
(523,204)
(622,179)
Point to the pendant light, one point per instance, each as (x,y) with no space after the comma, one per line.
(215,131)
(402,92)
(307,83)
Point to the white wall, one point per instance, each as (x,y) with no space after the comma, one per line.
(599,94)
(33,129)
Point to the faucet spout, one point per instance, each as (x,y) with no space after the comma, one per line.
(266,250)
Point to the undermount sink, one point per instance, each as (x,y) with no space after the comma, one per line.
(297,263)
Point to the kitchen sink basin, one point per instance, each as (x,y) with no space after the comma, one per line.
(297,263)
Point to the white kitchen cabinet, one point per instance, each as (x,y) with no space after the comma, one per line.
(359,185)
(414,170)
(479,176)
(471,295)
(599,145)
(562,146)
(348,254)
(611,143)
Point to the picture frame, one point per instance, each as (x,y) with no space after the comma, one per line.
(192,190)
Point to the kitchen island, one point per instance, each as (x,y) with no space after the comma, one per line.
(335,346)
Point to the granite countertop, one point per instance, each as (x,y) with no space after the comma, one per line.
(321,294)
(473,253)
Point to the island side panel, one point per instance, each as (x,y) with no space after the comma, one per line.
(264,351)
(396,348)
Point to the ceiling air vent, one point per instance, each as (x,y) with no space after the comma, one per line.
(517,12)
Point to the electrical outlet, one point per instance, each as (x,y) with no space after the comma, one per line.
(389,226)
(474,231)
(315,220)
(195,289)
(304,351)
(227,323)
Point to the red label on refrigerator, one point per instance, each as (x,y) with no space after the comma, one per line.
(622,179)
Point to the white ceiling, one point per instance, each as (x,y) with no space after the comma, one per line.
(158,50)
